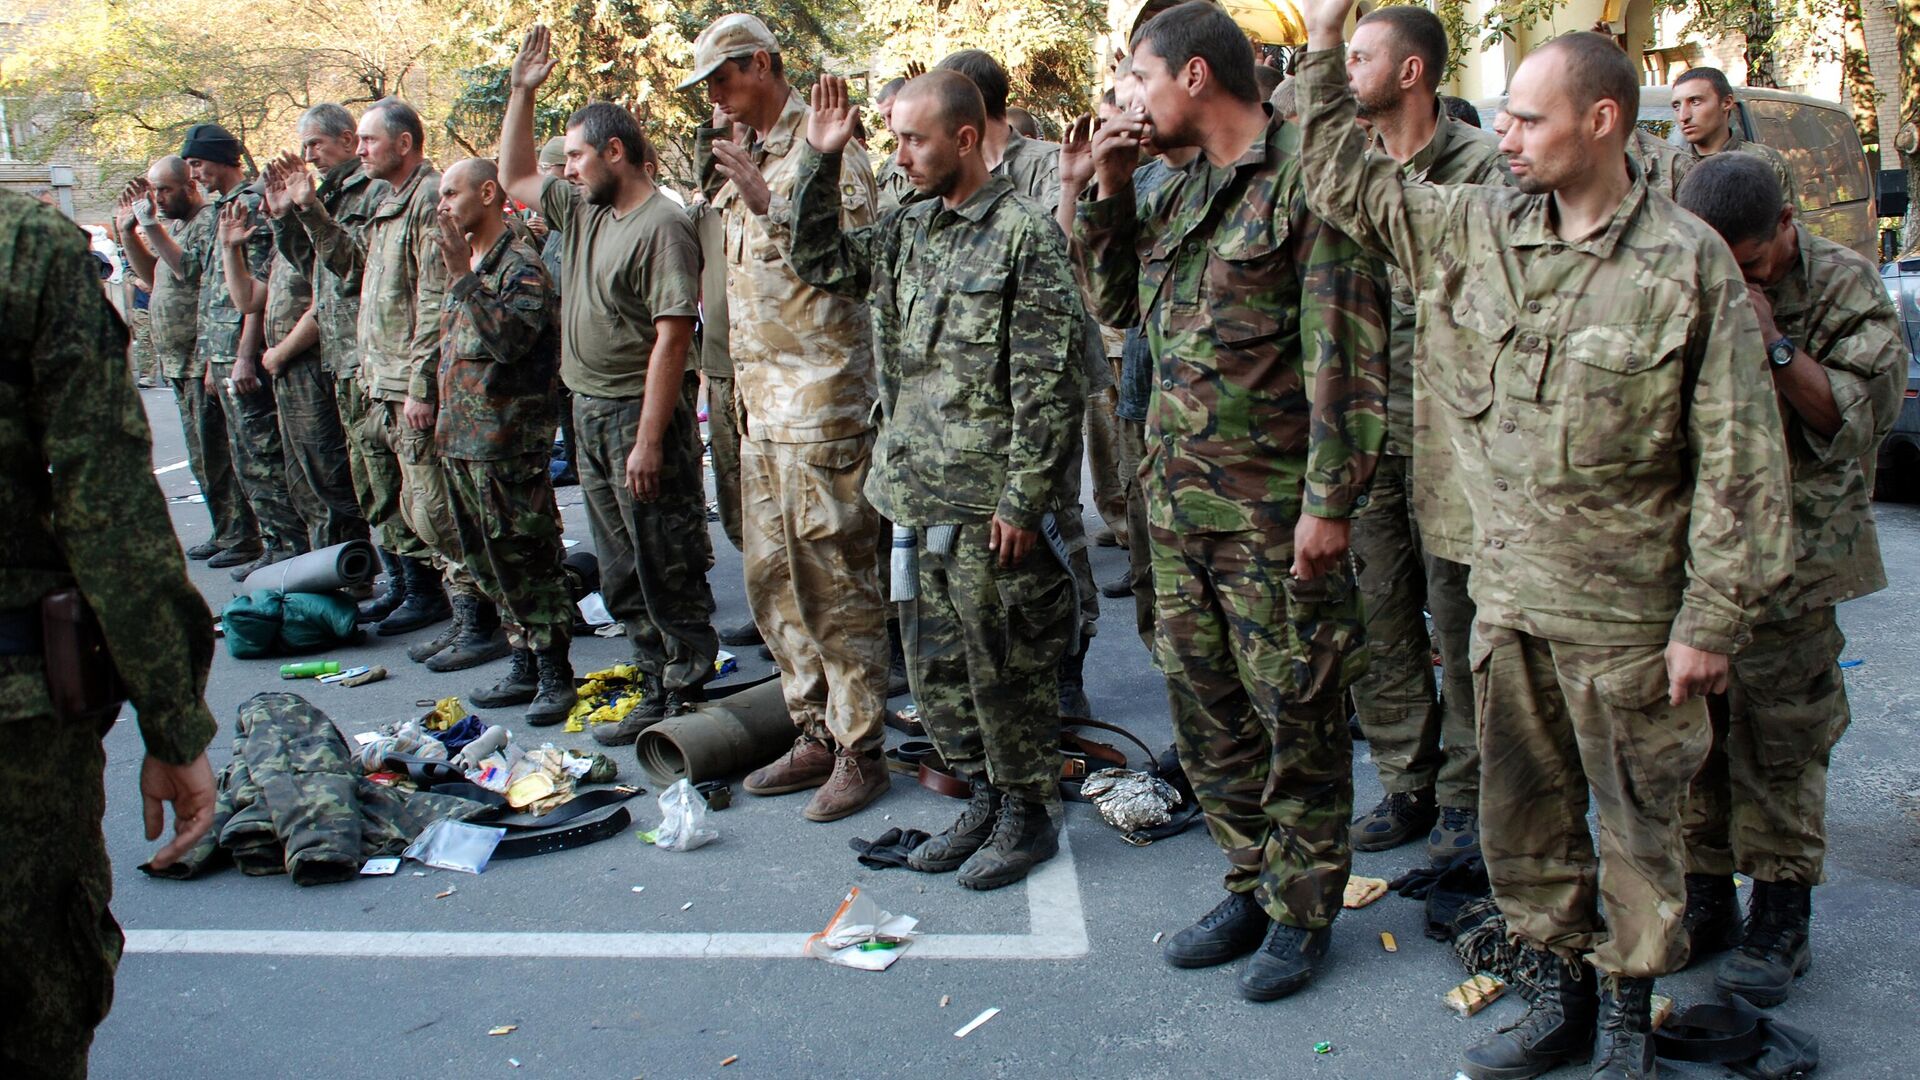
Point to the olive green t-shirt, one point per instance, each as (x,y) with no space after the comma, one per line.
(618,274)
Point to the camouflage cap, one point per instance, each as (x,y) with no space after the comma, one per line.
(728,37)
(554,152)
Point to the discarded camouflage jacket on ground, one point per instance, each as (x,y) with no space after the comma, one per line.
(290,802)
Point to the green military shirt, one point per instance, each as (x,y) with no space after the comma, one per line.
(498,357)
(348,198)
(716,333)
(289,296)
(80,505)
(1623,462)
(1833,305)
(218,321)
(1269,332)
(1789,188)
(174,306)
(891,185)
(976,324)
(1033,165)
(1662,163)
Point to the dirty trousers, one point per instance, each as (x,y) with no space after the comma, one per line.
(204,424)
(253,442)
(319,477)
(376,470)
(509,530)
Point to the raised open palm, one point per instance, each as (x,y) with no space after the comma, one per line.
(830,125)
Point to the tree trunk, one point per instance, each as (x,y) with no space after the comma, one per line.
(1908,24)
(1857,73)
(1759,32)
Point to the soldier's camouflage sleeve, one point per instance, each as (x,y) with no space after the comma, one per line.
(290,239)
(108,515)
(430,289)
(260,245)
(1046,381)
(1867,370)
(824,254)
(342,251)
(507,322)
(1106,236)
(1343,352)
(706,175)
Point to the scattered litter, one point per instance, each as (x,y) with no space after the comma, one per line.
(1323,1048)
(337,674)
(944,998)
(611,630)
(365,737)
(503,1029)
(1362,891)
(442,896)
(1475,994)
(308,669)
(861,935)
(381,866)
(1131,801)
(455,845)
(639,888)
(366,675)
(1387,942)
(1157,935)
(1662,1008)
(728,1060)
(683,820)
(515,1062)
(593,609)
(976,1022)
(1851,663)
(419,873)
(688,906)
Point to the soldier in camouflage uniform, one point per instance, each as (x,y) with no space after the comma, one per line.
(499,356)
(804,380)
(228,341)
(977,331)
(1269,332)
(1413,538)
(890,184)
(1628,485)
(1704,104)
(1837,357)
(1662,163)
(80,509)
(160,253)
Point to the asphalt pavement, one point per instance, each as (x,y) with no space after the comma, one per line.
(618,960)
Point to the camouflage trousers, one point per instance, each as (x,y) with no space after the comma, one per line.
(382,516)
(140,344)
(1257,667)
(1419,740)
(1140,551)
(253,441)
(58,940)
(723,439)
(403,465)
(654,556)
(1559,724)
(509,529)
(1106,459)
(204,425)
(319,478)
(1759,805)
(813,581)
(983,643)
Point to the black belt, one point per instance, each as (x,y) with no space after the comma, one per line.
(528,835)
(20,631)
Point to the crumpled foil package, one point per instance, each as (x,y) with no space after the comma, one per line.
(1129,800)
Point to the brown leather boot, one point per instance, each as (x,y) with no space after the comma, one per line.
(807,765)
(858,779)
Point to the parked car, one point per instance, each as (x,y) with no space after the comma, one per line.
(1899,465)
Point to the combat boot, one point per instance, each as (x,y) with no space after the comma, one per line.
(1071,672)
(948,849)
(807,764)
(1556,1029)
(1285,963)
(1234,928)
(747,633)
(859,777)
(1712,919)
(1023,838)
(480,641)
(1455,834)
(463,607)
(382,605)
(426,601)
(235,555)
(517,687)
(202,551)
(1399,817)
(651,709)
(554,694)
(1774,947)
(268,556)
(1626,1030)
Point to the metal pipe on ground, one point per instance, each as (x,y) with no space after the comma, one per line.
(726,737)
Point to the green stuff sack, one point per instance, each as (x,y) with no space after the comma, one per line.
(266,623)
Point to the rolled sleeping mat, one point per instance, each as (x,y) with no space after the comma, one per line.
(342,566)
(724,738)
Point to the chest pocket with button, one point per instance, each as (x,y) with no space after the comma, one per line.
(1252,292)
(974,410)
(1460,344)
(1621,391)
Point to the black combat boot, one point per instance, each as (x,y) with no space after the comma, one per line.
(1073,685)
(1712,921)
(1556,1029)
(1774,947)
(1285,963)
(382,605)
(1231,930)
(1023,837)
(480,641)
(268,556)
(426,601)
(555,695)
(463,611)
(517,687)
(747,633)
(651,710)
(202,551)
(1626,1031)
(954,845)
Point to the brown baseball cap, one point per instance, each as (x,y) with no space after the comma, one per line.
(728,37)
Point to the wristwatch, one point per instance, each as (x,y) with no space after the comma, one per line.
(1780,353)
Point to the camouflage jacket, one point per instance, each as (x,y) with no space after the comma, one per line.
(976,323)
(891,186)
(1624,464)
(348,198)
(1662,163)
(1789,188)
(1269,333)
(80,506)
(402,282)
(175,303)
(218,323)
(802,357)
(499,356)
(1833,306)
(716,348)
(289,295)
(1033,165)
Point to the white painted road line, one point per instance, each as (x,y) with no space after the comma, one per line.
(1058,931)
(175,467)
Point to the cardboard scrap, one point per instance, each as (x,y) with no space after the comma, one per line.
(1362,891)
(1475,994)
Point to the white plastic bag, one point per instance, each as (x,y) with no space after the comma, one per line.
(683,819)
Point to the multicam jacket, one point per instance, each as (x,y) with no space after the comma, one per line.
(499,357)
(289,294)
(1269,331)
(1833,306)
(348,198)
(218,323)
(1623,461)
(175,303)
(890,184)
(1662,163)
(1789,188)
(977,326)
(802,357)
